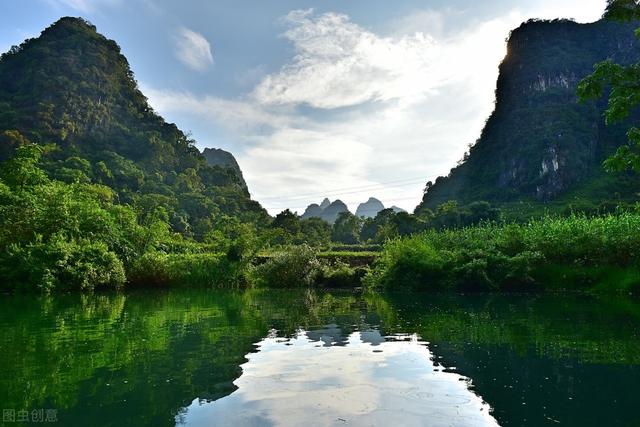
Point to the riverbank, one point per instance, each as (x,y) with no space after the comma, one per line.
(575,253)
(599,254)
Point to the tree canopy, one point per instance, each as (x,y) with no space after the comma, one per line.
(623,85)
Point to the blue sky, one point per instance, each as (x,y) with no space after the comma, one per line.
(347,99)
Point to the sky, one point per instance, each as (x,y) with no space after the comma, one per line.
(327,98)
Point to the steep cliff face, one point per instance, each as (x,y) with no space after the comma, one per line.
(313,211)
(331,212)
(540,143)
(325,203)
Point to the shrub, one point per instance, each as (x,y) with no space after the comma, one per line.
(292,267)
(341,275)
(61,265)
(411,262)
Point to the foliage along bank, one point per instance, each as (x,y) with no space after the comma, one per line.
(576,253)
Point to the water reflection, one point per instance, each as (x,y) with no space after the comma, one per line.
(322,377)
(157,358)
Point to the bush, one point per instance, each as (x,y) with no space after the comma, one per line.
(341,275)
(296,266)
(410,262)
(61,265)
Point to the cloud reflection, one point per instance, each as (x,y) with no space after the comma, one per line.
(364,380)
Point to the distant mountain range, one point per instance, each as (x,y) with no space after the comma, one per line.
(329,211)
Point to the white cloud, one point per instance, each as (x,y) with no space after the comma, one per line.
(193,49)
(338,64)
(353,108)
(425,100)
(236,115)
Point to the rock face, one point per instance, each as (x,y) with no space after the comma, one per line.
(219,157)
(327,210)
(370,208)
(540,143)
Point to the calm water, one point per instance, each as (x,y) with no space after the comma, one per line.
(206,358)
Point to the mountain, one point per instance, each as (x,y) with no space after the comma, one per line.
(540,144)
(325,203)
(72,87)
(327,210)
(219,157)
(331,212)
(313,211)
(370,208)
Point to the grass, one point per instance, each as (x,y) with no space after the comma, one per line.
(562,253)
(161,270)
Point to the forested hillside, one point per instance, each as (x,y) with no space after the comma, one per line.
(541,144)
(72,91)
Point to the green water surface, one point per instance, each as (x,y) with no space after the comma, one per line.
(207,358)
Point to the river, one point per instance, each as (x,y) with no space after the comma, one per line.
(300,357)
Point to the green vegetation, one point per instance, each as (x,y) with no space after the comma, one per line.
(554,253)
(97,191)
(74,236)
(624,92)
(295,267)
(64,236)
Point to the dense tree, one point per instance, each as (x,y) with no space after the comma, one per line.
(406,224)
(316,232)
(623,84)
(477,212)
(55,235)
(371,226)
(346,229)
(287,221)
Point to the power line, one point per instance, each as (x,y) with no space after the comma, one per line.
(418,179)
(284,203)
(360,189)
